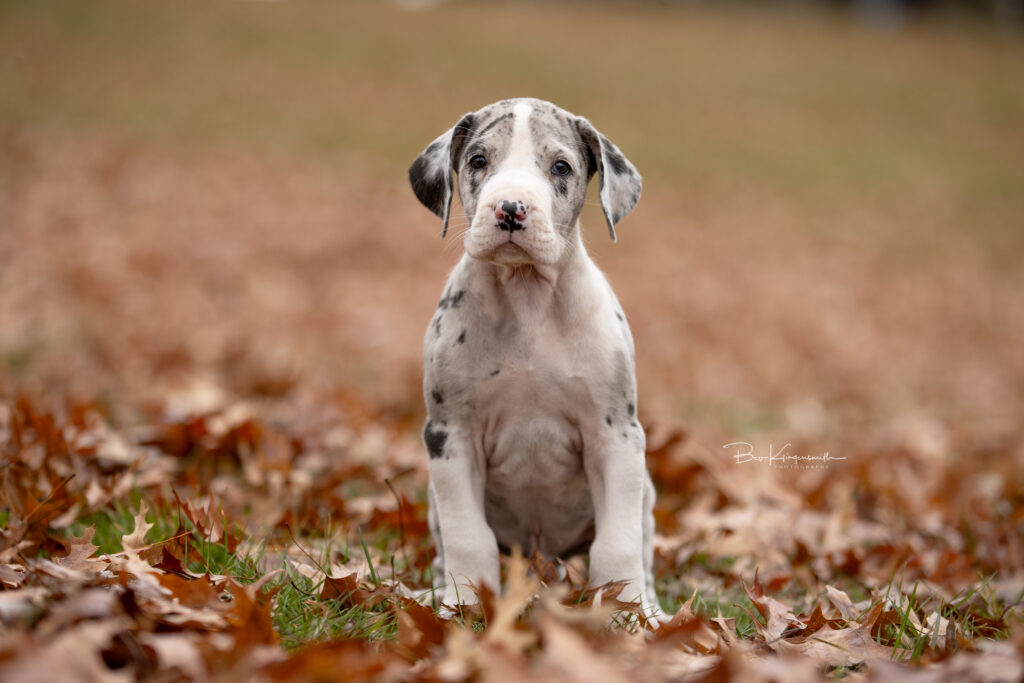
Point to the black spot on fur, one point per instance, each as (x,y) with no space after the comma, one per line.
(462,337)
(630,409)
(429,186)
(623,381)
(451,300)
(435,440)
(625,435)
(562,186)
(591,160)
(483,131)
(619,316)
(614,158)
(633,424)
(494,372)
(437,396)
(462,131)
(608,420)
(437,324)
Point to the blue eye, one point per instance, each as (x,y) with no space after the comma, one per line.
(478,161)
(561,168)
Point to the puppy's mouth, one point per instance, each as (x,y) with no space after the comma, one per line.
(504,247)
(509,253)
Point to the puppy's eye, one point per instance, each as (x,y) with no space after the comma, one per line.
(478,161)
(561,168)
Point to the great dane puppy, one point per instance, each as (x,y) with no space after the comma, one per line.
(532,430)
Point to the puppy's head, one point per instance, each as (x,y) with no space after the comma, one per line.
(523,167)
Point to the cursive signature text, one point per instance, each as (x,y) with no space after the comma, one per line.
(745,453)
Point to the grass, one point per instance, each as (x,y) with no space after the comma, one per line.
(114,521)
(300,615)
(731,605)
(972,614)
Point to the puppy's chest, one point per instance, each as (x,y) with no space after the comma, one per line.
(520,392)
(528,425)
(478,357)
(501,368)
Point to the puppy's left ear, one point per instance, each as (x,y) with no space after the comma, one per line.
(431,173)
(619,180)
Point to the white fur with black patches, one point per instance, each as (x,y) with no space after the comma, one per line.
(529,381)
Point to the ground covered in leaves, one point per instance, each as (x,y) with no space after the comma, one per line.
(209,367)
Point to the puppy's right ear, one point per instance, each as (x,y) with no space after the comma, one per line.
(431,173)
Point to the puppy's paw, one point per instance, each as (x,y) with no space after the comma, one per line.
(461,604)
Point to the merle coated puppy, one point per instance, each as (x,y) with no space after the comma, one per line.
(529,382)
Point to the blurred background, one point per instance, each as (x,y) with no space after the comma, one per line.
(206,200)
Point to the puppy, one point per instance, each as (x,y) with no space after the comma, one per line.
(532,430)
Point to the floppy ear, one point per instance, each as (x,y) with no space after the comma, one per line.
(431,173)
(619,181)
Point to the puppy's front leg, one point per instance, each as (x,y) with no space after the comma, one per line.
(470,549)
(616,473)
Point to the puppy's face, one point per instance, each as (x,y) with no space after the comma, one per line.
(523,167)
(523,173)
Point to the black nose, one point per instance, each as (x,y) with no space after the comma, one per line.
(510,215)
